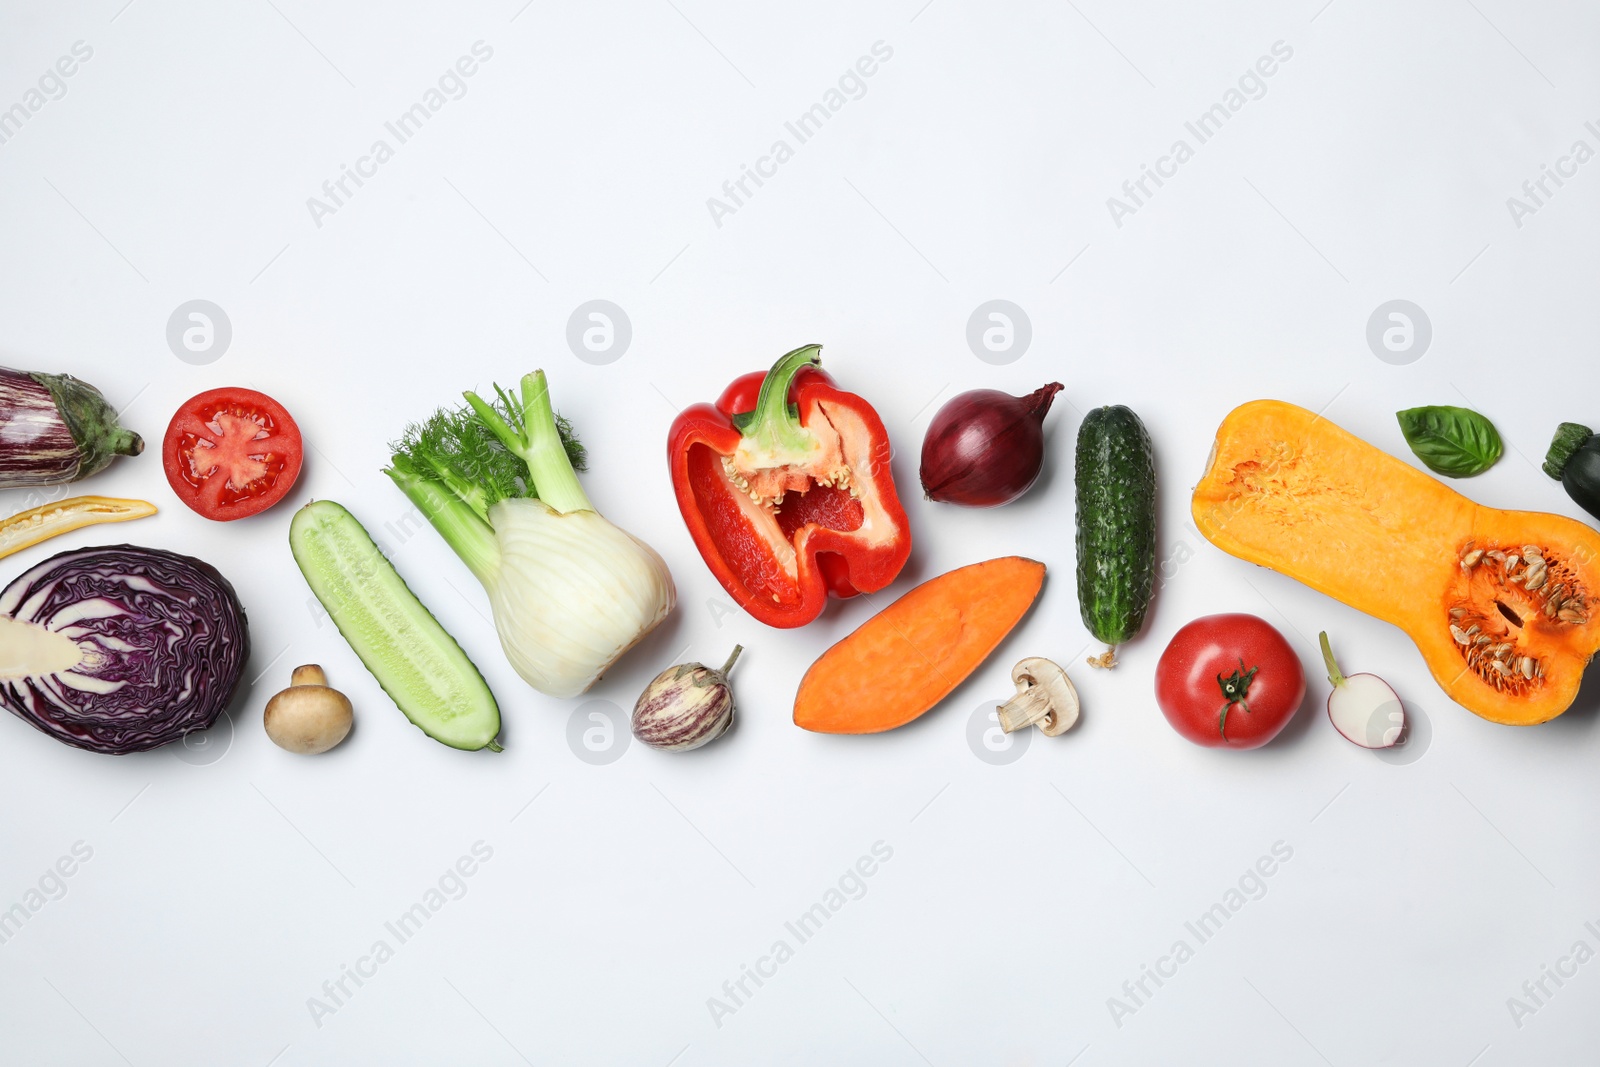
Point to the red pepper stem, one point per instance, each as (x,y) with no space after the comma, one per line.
(773,428)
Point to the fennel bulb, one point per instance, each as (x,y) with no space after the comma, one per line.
(571,592)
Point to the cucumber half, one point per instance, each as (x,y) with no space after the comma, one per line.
(415,661)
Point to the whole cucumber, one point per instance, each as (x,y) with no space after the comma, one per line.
(1116,524)
(55,429)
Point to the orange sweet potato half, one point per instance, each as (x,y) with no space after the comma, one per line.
(912,654)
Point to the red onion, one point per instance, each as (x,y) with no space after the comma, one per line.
(985,448)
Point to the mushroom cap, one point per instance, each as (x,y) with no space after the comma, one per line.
(308,719)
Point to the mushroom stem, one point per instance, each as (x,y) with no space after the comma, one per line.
(1023,710)
(308,674)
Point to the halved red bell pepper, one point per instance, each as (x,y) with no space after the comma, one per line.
(785,486)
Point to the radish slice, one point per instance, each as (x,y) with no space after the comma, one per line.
(1363,707)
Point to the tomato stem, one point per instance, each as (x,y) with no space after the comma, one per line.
(1235,688)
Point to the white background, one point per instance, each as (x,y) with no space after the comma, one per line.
(230,879)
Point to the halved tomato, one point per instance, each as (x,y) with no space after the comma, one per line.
(231,452)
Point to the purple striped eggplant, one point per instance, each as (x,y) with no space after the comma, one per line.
(685,706)
(55,429)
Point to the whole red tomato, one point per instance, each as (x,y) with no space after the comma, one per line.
(1229,681)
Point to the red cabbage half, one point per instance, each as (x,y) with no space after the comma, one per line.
(120,649)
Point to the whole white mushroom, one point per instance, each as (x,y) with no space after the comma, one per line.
(309,716)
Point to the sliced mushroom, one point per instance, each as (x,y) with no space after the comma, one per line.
(1045,698)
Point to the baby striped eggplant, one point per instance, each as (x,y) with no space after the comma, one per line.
(685,706)
(55,429)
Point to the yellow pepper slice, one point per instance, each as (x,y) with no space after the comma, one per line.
(28,528)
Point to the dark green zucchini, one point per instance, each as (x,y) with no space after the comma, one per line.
(1116,482)
(1574,460)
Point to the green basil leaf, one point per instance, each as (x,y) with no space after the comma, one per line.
(1455,442)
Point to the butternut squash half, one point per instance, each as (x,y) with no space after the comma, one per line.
(1500,603)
